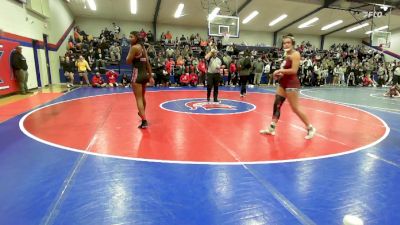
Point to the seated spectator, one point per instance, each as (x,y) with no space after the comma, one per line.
(124,41)
(186,51)
(170,66)
(179,71)
(115,52)
(71,43)
(108,34)
(126,80)
(351,80)
(254,52)
(97,81)
(100,59)
(203,43)
(151,51)
(170,52)
(71,55)
(367,81)
(90,56)
(229,49)
(180,61)
(112,78)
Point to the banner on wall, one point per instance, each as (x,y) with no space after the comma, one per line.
(8,83)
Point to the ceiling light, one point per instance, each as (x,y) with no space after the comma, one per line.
(329,26)
(133,6)
(377,29)
(92,4)
(357,27)
(178,12)
(381,28)
(250,17)
(306,24)
(213,14)
(277,20)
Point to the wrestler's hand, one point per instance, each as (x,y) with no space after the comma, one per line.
(277,74)
(151,81)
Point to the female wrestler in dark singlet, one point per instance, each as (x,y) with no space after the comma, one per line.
(141,75)
(289,86)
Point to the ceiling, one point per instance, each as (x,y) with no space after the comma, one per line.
(195,13)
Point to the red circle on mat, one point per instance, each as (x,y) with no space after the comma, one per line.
(107,125)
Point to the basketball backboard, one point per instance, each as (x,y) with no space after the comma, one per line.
(221,25)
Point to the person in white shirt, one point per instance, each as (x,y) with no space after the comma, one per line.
(213,73)
(336,74)
(342,71)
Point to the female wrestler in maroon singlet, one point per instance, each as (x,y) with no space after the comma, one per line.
(289,86)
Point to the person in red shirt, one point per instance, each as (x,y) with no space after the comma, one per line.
(168,36)
(169,67)
(112,78)
(97,81)
(201,67)
(367,81)
(143,34)
(289,86)
(232,71)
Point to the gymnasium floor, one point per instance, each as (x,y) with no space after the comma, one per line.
(79,159)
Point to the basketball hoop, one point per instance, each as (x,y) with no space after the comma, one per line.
(225,36)
(381,39)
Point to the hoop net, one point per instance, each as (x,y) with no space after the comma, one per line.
(225,37)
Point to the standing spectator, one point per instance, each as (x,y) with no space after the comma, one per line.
(168,37)
(232,72)
(396,74)
(143,34)
(182,40)
(201,67)
(267,70)
(150,37)
(69,68)
(258,69)
(162,38)
(117,31)
(245,67)
(83,68)
(20,68)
